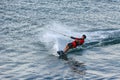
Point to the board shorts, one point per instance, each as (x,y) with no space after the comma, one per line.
(70,45)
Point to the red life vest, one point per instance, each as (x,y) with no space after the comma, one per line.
(75,44)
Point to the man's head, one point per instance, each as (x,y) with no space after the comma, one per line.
(84,36)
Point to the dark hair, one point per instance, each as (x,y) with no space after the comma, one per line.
(84,36)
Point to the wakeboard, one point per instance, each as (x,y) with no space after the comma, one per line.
(62,55)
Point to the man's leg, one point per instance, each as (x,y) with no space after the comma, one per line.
(66,49)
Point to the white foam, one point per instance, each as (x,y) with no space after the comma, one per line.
(52,38)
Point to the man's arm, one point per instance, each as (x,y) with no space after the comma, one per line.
(72,37)
(75,38)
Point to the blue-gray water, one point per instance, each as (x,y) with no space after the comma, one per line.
(28,41)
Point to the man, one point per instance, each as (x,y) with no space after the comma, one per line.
(75,43)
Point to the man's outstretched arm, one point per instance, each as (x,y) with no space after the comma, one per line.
(72,37)
(75,38)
